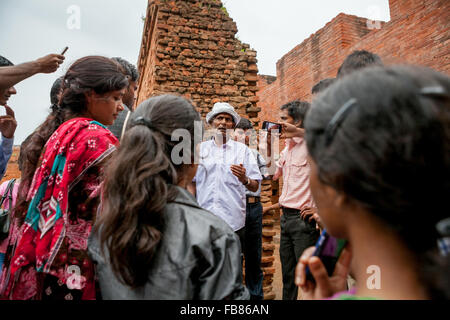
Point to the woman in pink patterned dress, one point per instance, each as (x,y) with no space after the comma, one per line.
(50,260)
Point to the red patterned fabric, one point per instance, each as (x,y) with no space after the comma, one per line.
(51,256)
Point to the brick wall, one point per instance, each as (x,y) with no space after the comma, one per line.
(12,170)
(189,48)
(418,33)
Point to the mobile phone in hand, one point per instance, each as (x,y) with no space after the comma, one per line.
(267,125)
(328,249)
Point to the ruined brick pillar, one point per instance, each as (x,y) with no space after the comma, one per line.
(12,170)
(189,48)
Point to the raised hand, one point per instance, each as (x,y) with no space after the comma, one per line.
(8,123)
(239,171)
(50,63)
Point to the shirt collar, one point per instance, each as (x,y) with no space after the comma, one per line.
(292,142)
(185,197)
(226,145)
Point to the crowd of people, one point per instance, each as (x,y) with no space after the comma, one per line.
(103,210)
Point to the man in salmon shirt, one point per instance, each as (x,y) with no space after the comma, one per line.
(298,228)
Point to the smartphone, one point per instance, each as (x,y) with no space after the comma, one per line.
(267,125)
(64,50)
(328,249)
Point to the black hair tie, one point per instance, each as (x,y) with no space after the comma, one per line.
(141,121)
(337,119)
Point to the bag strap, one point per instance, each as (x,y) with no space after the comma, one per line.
(10,194)
(5,194)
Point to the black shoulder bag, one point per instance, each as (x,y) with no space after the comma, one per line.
(5,213)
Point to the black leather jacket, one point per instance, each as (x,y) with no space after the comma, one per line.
(198,258)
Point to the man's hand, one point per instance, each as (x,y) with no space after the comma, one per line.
(291,131)
(319,224)
(239,171)
(50,63)
(325,285)
(307,214)
(8,123)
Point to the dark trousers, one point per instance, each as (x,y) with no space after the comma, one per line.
(252,250)
(296,236)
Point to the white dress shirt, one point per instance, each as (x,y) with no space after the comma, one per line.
(218,189)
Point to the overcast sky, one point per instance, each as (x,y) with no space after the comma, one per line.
(31,29)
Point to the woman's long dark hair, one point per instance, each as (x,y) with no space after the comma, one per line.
(68,100)
(139,184)
(390,152)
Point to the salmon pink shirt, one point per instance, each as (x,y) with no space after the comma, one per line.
(294,167)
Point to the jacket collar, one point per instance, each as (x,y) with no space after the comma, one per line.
(185,197)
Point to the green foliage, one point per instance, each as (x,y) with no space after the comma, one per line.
(225,10)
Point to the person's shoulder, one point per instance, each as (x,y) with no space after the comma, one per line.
(198,222)
(98,130)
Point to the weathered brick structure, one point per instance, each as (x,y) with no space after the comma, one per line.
(418,33)
(189,48)
(12,171)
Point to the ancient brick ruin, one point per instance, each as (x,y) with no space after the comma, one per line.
(418,33)
(189,48)
(12,171)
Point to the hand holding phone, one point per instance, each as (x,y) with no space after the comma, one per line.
(323,284)
(271,126)
(328,249)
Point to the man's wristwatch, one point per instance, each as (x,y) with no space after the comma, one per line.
(247,182)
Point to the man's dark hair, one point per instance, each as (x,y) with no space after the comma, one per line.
(129,68)
(322,85)
(5,62)
(358,60)
(244,124)
(56,90)
(297,110)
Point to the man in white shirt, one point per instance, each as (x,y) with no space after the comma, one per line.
(226,170)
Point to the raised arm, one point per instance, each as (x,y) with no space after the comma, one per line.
(11,75)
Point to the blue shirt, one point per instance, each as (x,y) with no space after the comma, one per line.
(218,189)
(6,147)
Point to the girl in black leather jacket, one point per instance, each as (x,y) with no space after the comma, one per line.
(152,240)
